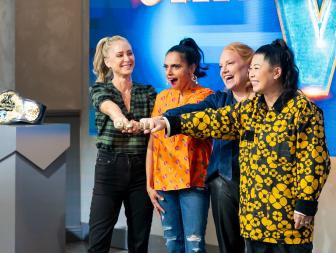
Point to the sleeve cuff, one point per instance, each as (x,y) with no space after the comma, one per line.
(173,125)
(306,207)
(167,125)
(166,114)
(299,213)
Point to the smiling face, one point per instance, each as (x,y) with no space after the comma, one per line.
(178,72)
(120,58)
(233,70)
(265,79)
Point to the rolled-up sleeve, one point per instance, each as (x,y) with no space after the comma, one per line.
(98,94)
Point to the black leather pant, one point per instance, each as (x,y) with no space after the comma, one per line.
(120,178)
(263,247)
(225,206)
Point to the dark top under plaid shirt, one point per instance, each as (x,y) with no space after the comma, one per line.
(110,138)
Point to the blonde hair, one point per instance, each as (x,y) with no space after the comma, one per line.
(244,51)
(100,69)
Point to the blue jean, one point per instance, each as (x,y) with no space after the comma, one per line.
(185,219)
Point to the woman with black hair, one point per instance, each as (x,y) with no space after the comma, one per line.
(176,167)
(284,161)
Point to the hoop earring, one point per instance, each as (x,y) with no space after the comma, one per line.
(194,78)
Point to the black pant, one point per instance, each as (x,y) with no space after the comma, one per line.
(263,247)
(225,206)
(120,178)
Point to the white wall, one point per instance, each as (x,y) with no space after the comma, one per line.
(325,221)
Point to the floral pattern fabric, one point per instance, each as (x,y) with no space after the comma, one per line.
(180,161)
(283,158)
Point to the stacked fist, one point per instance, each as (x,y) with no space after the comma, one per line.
(145,125)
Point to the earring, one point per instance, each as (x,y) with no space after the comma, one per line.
(110,73)
(194,78)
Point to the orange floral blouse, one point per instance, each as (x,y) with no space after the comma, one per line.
(179,161)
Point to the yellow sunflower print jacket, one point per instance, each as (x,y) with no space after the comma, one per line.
(283,157)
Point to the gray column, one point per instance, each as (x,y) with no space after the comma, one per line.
(7,44)
(32,188)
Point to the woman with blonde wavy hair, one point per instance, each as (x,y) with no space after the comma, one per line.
(120,171)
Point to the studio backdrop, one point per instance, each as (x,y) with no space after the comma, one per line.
(153,26)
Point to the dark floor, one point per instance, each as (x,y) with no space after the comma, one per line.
(81,247)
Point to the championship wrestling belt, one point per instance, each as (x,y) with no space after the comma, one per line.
(16,109)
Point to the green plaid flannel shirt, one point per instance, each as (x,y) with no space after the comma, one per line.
(111,139)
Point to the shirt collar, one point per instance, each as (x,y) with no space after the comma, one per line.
(230,98)
(187,91)
(280,103)
(135,86)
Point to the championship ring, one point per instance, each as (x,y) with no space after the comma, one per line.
(16,109)
(119,125)
(144,126)
(129,126)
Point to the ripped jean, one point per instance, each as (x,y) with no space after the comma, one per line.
(185,219)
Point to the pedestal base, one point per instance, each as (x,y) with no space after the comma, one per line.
(32,199)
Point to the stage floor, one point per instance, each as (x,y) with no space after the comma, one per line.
(81,247)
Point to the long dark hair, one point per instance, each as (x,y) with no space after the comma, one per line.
(279,54)
(191,52)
